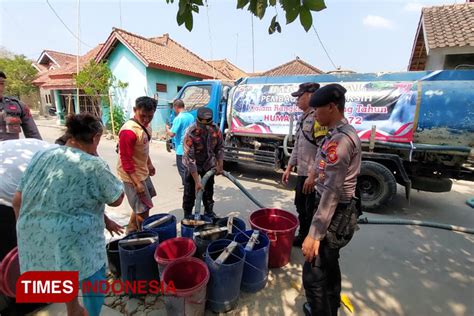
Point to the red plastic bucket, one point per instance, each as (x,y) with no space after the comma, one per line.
(173,249)
(190,277)
(9,273)
(280,227)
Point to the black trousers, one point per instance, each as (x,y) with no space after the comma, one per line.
(322,282)
(7,230)
(304,206)
(189,195)
(181,168)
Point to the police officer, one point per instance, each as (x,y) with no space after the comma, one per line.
(203,151)
(14,116)
(302,156)
(335,171)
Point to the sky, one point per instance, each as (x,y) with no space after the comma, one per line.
(362,35)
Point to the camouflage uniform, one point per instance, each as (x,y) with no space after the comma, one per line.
(203,147)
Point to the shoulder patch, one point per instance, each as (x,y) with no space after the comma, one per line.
(331,152)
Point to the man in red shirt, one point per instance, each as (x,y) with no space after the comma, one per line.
(134,166)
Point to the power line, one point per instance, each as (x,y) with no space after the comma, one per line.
(78,44)
(236,47)
(253,44)
(120,8)
(61,20)
(324,48)
(210,38)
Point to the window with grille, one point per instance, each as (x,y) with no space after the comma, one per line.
(161,87)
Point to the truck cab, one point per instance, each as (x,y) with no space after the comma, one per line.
(212,94)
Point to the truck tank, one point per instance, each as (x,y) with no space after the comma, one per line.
(432,108)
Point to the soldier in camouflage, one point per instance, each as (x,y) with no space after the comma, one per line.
(203,151)
(15,116)
(335,171)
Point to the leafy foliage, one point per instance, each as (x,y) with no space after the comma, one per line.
(292,8)
(96,80)
(20,73)
(119,119)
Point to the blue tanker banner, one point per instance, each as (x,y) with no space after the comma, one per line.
(390,106)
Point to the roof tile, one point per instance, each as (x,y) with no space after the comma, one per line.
(228,69)
(449,25)
(294,67)
(163,53)
(62,76)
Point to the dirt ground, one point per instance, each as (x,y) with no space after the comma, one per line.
(387,270)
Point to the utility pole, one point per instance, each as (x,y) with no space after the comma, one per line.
(78,47)
(253,45)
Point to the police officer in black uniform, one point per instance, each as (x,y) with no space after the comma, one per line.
(304,151)
(15,116)
(335,171)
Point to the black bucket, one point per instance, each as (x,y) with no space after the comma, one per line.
(203,242)
(113,257)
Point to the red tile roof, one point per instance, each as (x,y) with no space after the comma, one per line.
(50,58)
(444,26)
(161,53)
(228,69)
(57,57)
(294,67)
(449,25)
(62,75)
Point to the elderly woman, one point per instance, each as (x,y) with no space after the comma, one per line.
(60,206)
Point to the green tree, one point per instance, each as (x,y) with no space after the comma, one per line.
(292,9)
(119,119)
(96,80)
(20,73)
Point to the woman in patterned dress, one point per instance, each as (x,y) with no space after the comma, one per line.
(60,206)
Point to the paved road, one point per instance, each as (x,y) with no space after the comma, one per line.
(387,270)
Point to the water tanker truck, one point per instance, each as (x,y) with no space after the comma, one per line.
(417,128)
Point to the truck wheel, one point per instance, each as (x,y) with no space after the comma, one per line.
(431,184)
(377,185)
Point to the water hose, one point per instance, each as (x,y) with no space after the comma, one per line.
(244,190)
(398,221)
(364,220)
(210,173)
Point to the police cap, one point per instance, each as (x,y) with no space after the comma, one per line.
(204,116)
(330,93)
(305,87)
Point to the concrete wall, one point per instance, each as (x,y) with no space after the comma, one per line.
(126,67)
(172,81)
(435,61)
